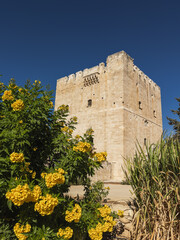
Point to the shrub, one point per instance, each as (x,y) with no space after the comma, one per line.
(39,160)
(154,175)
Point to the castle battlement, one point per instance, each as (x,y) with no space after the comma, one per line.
(104,67)
(120,103)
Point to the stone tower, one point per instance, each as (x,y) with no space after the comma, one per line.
(119,102)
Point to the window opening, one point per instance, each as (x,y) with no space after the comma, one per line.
(140,105)
(154,113)
(89,102)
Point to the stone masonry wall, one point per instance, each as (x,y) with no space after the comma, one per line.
(119,102)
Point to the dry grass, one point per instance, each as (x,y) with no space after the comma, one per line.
(154,175)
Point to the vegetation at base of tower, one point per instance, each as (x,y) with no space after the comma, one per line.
(175,122)
(39,160)
(154,174)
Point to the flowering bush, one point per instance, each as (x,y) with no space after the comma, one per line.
(39,160)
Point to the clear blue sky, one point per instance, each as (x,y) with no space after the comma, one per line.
(49,39)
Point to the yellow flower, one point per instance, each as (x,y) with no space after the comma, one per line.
(17,157)
(22,194)
(46,205)
(19,195)
(120,213)
(18,105)
(104,211)
(36,193)
(33,175)
(36,82)
(20,229)
(54,178)
(51,104)
(21,121)
(100,157)
(35,149)
(8,96)
(66,233)
(82,147)
(96,233)
(74,215)
(43,174)
(67,130)
(63,107)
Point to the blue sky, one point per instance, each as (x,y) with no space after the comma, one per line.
(49,39)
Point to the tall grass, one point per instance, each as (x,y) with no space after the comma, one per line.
(154,174)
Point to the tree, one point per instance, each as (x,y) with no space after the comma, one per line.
(174,122)
(39,160)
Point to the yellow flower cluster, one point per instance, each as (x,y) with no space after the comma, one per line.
(17,157)
(20,229)
(67,130)
(66,233)
(100,156)
(18,105)
(82,147)
(51,104)
(97,232)
(120,213)
(8,96)
(104,211)
(33,174)
(109,224)
(74,215)
(46,205)
(22,194)
(36,193)
(63,107)
(55,178)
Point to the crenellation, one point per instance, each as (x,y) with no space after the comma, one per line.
(119,102)
(144,76)
(71,77)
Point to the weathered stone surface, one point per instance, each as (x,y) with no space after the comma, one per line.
(126,107)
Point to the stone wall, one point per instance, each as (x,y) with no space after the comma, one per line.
(119,102)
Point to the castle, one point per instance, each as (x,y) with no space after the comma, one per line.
(120,103)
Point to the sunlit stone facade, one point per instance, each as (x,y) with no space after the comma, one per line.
(119,102)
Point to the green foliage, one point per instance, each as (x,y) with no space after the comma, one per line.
(154,175)
(34,139)
(175,122)
(96,192)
